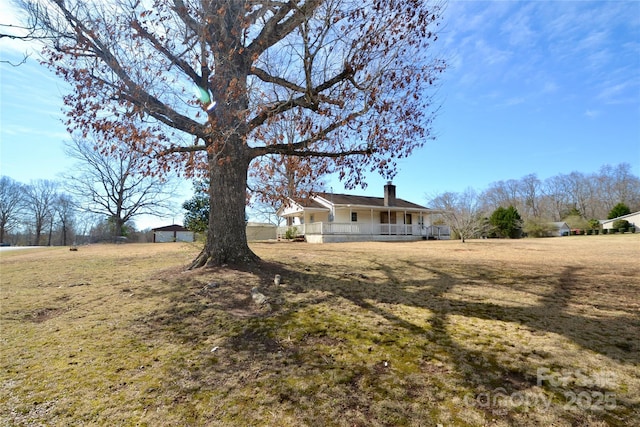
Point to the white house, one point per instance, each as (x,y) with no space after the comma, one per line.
(633,218)
(172,233)
(328,217)
(560,229)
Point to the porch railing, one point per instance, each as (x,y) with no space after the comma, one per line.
(362,229)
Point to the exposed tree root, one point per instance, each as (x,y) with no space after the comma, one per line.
(206,259)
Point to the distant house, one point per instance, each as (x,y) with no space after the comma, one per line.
(560,229)
(329,217)
(172,233)
(633,218)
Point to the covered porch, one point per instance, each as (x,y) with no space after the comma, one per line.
(326,232)
(329,217)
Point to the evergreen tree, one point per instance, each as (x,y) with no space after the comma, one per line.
(197,217)
(619,210)
(506,222)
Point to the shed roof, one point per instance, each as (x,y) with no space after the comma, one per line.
(173,227)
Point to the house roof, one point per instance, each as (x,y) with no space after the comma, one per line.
(377,202)
(560,224)
(173,227)
(632,214)
(311,204)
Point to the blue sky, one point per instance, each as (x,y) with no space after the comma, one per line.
(544,87)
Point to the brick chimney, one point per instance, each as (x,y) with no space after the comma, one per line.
(389,194)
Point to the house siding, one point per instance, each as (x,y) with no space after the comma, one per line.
(560,229)
(633,218)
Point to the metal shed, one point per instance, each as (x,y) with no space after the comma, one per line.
(172,233)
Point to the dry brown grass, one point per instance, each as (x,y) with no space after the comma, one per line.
(366,334)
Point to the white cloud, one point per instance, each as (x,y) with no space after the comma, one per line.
(617,93)
(514,101)
(489,53)
(550,87)
(518,28)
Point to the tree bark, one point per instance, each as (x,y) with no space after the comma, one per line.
(228,156)
(227,234)
(38,232)
(50,232)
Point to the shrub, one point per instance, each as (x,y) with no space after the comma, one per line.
(605,231)
(621,224)
(576,222)
(538,228)
(291,233)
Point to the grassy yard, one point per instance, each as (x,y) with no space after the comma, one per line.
(533,332)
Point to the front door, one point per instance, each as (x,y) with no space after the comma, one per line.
(387,220)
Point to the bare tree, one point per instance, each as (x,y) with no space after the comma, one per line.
(40,198)
(580,191)
(462,212)
(501,194)
(352,74)
(557,197)
(529,191)
(64,208)
(16,32)
(617,185)
(11,204)
(111,184)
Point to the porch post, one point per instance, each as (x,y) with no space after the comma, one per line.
(350,220)
(404,220)
(371,231)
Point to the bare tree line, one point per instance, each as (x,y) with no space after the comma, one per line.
(95,201)
(576,197)
(42,213)
(592,195)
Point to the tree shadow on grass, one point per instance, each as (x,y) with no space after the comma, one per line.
(254,350)
(612,337)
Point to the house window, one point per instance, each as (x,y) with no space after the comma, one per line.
(354,216)
(311,218)
(407,219)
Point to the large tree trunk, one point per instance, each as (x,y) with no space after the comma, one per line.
(228,157)
(227,235)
